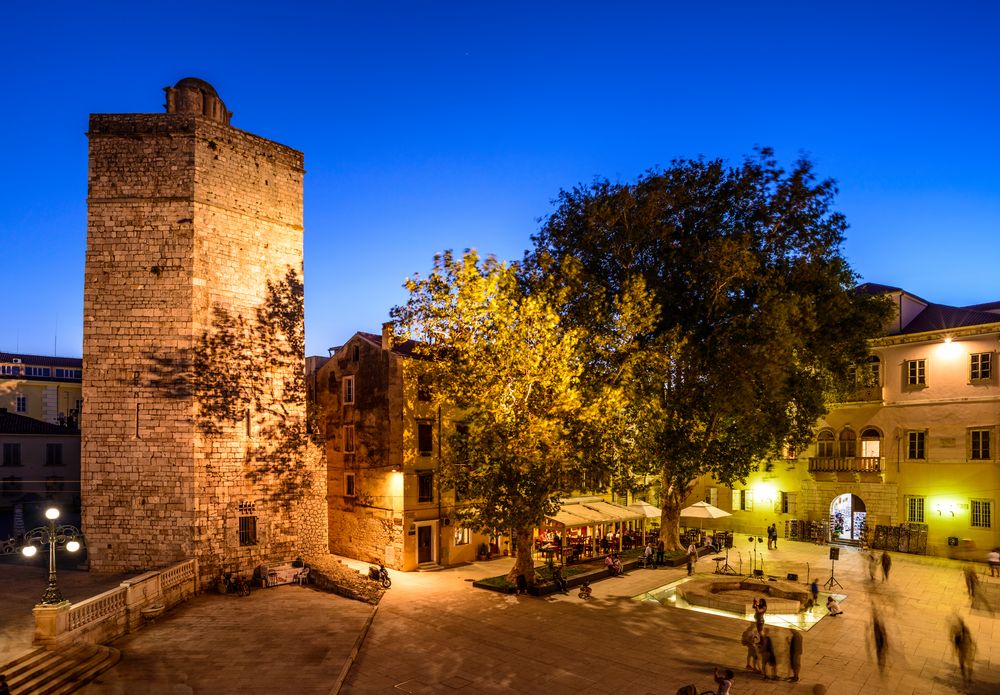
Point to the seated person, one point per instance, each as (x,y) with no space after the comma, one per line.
(832,607)
(613,566)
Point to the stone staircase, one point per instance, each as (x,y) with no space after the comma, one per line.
(44,672)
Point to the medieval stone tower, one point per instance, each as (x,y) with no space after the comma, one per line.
(194,433)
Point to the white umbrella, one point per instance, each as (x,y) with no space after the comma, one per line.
(703,510)
(646,509)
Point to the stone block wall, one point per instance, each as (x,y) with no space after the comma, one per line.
(189,220)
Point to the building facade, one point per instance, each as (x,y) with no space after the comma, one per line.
(39,467)
(44,388)
(384,443)
(913,441)
(192,332)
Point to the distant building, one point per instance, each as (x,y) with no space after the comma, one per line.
(39,465)
(44,388)
(912,441)
(383,445)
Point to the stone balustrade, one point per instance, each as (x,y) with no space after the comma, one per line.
(103,618)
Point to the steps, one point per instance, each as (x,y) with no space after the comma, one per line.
(44,672)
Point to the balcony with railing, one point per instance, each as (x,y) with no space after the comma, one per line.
(846,464)
(857,393)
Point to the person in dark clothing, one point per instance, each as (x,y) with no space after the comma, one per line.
(559,580)
(965,649)
(795,654)
(881,641)
(886,565)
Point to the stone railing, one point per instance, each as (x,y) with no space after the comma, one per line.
(106,606)
(848,464)
(116,612)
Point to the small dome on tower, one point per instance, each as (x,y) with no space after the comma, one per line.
(192,95)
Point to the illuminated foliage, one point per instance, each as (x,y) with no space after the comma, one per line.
(755,315)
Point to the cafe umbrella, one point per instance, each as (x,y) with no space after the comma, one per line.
(703,510)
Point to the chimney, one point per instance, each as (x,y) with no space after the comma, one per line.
(387,335)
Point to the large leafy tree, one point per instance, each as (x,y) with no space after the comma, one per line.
(504,363)
(755,317)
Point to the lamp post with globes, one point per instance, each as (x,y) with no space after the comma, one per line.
(55,535)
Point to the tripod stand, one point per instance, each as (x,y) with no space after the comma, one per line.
(727,568)
(831,582)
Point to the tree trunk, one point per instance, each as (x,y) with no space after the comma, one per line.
(523,564)
(670,515)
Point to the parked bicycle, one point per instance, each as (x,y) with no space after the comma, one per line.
(585,590)
(230,583)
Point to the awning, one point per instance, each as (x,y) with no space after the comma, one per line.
(591,513)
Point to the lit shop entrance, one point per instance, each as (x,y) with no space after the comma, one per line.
(847,519)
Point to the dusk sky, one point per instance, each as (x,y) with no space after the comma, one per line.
(436,125)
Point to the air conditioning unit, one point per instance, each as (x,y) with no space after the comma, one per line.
(16,360)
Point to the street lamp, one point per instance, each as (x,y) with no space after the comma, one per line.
(62,535)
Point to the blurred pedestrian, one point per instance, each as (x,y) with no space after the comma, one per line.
(993,559)
(751,640)
(814,590)
(4,688)
(881,640)
(725,681)
(965,649)
(795,654)
(886,565)
(971,580)
(872,566)
(768,657)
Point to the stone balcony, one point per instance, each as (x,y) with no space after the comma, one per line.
(847,464)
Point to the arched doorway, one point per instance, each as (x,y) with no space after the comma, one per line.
(847,518)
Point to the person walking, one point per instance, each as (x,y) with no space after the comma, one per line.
(759,609)
(647,556)
(881,641)
(886,565)
(768,657)
(795,654)
(692,557)
(774,536)
(724,679)
(872,566)
(660,549)
(751,640)
(971,580)
(993,560)
(965,649)
(814,590)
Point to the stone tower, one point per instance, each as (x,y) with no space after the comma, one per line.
(194,438)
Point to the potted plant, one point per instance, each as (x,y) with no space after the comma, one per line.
(483,552)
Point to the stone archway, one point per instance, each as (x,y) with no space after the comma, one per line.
(848,518)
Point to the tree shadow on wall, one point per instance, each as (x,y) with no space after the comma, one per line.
(246,374)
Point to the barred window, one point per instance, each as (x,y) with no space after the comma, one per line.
(914,509)
(248,523)
(982,513)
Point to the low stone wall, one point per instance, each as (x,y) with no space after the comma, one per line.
(117,612)
(736,595)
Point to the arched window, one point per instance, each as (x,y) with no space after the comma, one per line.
(871,443)
(848,444)
(824,445)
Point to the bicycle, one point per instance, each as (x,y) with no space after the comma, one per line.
(585,590)
(230,583)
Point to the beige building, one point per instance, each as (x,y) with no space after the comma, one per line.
(383,445)
(194,394)
(913,441)
(44,388)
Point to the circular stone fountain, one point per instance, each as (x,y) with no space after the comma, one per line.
(736,595)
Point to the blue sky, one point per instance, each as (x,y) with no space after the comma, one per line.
(439,125)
